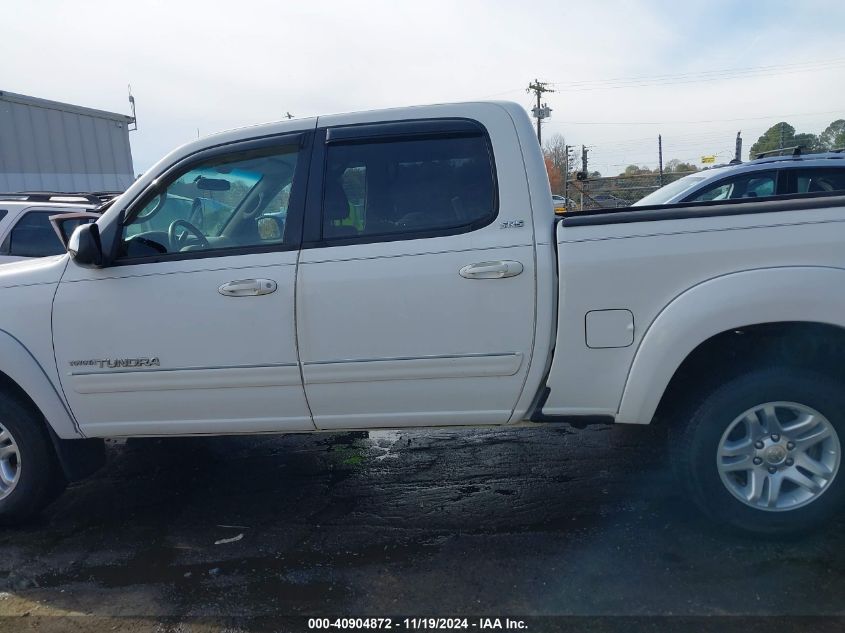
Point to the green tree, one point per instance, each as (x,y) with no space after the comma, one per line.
(833,136)
(635,170)
(676,165)
(783,135)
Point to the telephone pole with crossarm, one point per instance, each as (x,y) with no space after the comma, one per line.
(540,111)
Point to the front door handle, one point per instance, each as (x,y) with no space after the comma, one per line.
(492,270)
(248,287)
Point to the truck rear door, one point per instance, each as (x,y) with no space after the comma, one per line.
(416,282)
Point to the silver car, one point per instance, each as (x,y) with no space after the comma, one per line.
(762,178)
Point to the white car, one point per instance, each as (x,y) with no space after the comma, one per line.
(404,268)
(561,204)
(25,226)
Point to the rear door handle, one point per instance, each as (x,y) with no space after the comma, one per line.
(248,287)
(492,270)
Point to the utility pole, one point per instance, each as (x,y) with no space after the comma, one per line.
(567,149)
(584,172)
(738,150)
(660,156)
(541,111)
(781,135)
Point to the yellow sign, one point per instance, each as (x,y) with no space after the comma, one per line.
(708,159)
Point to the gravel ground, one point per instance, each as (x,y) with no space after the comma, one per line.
(206,533)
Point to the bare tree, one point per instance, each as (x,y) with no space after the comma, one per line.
(554,151)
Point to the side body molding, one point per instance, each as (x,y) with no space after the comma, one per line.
(767,295)
(18,363)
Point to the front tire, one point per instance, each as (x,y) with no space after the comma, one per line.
(763,452)
(29,473)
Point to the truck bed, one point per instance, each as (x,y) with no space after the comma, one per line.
(620,270)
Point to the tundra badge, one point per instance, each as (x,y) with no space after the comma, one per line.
(114,363)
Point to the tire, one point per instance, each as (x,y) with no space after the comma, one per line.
(733,457)
(38,479)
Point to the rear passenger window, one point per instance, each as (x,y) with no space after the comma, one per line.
(33,236)
(404,188)
(819,180)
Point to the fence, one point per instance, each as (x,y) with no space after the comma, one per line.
(616,191)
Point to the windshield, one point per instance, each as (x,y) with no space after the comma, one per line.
(670,191)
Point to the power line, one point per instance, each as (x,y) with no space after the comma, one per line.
(675,141)
(688,77)
(669,142)
(692,136)
(753,118)
(703,76)
(835,60)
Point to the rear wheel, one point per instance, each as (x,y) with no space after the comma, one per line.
(29,475)
(10,457)
(763,452)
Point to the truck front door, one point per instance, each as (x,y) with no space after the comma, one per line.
(191,330)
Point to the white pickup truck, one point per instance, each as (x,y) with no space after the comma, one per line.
(404,268)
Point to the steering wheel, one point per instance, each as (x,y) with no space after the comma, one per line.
(177,243)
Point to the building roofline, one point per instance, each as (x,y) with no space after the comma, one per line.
(63,107)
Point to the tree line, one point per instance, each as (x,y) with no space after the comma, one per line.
(780,135)
(784,135)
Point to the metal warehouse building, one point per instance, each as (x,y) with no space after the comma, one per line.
(52,146)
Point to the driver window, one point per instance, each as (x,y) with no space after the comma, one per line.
(235,201)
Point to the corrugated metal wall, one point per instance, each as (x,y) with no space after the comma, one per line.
(49,146)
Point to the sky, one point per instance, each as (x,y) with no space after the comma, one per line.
(623,71)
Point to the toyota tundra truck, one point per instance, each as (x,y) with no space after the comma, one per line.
(404,268)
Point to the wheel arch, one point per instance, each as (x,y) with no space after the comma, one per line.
(23,376)
(785,308)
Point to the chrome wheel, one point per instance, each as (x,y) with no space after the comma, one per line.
(779,456)
(10,462)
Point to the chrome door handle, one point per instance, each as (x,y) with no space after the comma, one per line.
(248,287)
(492,270)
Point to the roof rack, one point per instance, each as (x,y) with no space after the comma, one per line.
(52,196)
(795,149)
(105,196)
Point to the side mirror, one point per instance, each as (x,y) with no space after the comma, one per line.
(64,223)
(84,245)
